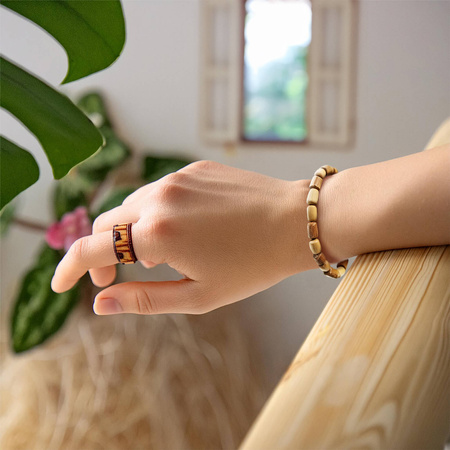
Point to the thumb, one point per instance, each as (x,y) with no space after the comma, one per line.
(152,297)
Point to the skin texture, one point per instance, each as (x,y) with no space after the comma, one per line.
(233,233)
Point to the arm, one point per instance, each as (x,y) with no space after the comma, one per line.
(234,233)
(399,203)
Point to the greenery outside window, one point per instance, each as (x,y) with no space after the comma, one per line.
(275,79)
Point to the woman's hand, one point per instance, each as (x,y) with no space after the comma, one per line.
(229,232)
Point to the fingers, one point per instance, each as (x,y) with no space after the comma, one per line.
(183,296)
(103,276)
(94,251)
(91,251)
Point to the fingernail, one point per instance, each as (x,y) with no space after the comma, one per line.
(106,306)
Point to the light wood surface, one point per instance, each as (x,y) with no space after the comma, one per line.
(374,373)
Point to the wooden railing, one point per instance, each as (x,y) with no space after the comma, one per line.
(374,372)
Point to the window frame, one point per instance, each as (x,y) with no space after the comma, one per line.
(233,74)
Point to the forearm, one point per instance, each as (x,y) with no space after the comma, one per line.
(399,203)
(233,233)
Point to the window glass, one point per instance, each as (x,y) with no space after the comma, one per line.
(277,37)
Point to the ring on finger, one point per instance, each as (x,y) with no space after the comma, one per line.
(123,243)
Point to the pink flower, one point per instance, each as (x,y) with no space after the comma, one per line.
(72,226)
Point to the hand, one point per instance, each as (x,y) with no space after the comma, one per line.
(229,232)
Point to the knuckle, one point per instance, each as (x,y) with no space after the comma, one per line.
(97,225)
(78,249)
(174,178)
(155,234)
(170,189)
(161,228)
(144,303)
(204,165)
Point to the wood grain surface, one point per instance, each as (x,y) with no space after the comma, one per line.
(374,373)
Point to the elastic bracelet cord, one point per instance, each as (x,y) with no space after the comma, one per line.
(313,230)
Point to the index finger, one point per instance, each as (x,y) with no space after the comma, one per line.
(88,252)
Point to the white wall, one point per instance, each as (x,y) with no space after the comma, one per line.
(152,90)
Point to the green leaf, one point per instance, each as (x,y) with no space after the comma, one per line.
(115,198)
(70,192)
(66,134)
(18,170)
(6,217)
(38,311)
(156,167)
(91,32)
(93,106)
(99,165)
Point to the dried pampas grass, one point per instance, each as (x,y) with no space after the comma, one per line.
(129,383)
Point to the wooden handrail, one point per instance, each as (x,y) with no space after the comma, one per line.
(374,372)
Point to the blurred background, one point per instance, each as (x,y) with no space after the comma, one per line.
(153,94)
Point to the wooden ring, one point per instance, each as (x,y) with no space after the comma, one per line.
(123,243)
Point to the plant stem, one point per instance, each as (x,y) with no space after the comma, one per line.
(31,225)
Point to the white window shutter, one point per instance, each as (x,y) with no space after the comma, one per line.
(220,66)
(330,107)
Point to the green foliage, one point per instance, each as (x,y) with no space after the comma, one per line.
(157,167)
(6,217)
(77,187)
(93,106)
(114,199)
(276,98)
(115,152)
(39,312)
(93,35)
(65,133)
(91,32)
(18,170)
(69,193)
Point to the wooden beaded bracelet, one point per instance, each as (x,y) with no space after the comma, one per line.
(313,230)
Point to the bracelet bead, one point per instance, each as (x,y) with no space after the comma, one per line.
(311,213)
(315,246)
(316,182)
(333,273)
(320,259)
(313,229)
(313,197)
(329,169)
(322,173)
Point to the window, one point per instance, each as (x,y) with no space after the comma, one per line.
(277,36)
(230,102)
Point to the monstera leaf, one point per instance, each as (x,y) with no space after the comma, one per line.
(93,35)
(91,32)
(65,133)
(18,170)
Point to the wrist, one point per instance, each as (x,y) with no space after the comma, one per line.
(349,221)
(300,254)
(329,218)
